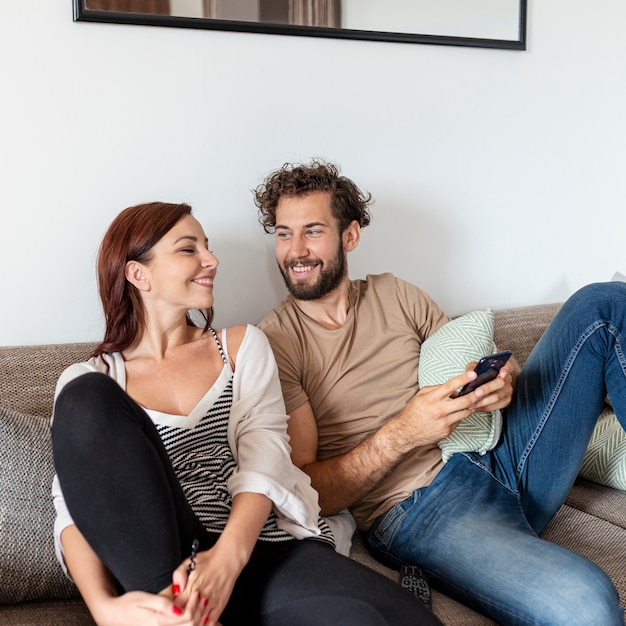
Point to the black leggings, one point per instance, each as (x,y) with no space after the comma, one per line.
(124,497)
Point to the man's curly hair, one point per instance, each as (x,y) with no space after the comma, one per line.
(348,202)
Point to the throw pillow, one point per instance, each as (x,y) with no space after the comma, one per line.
(605,459)
(28,566)
(445,355)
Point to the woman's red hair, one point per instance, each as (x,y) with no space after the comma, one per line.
(131,237)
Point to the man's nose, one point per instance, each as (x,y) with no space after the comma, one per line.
(298,247)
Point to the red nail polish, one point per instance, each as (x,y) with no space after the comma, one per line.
(206,601)
(175,589)
(177,610)
(205,619)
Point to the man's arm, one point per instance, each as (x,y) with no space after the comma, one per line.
(430,416)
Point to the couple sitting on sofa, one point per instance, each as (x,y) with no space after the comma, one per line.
(191,512)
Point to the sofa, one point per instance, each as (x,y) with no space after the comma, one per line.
(33,590)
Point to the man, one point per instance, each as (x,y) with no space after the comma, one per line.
(367,435)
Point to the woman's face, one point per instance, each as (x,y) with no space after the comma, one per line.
(181,270)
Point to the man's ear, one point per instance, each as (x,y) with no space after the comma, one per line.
(135,275)
(351,236)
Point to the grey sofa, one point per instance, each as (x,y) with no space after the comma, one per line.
(33,590)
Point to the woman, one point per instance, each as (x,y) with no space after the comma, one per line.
(176,499)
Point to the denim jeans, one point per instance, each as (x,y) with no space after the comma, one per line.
(475,527)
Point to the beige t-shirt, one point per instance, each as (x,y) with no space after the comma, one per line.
(359,376)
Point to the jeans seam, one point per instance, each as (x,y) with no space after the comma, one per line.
(589,331)
(514,492)
(621,358)
(478,463)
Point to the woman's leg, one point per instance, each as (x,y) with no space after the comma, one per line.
(302,583)
(119,485)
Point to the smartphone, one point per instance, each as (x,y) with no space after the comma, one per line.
(487,369)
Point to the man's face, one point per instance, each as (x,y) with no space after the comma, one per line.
(309,247)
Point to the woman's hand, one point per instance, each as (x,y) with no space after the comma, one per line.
(134,608)
(137,608)
(216,570)
(212,579)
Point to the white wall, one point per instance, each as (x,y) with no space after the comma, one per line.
(486,19)
(498,175)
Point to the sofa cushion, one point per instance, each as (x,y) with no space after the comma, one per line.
(28,566)
(47,613)
(445,354)
(29,374)
(601,502)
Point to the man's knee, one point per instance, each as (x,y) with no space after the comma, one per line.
(601,294)
(580,596)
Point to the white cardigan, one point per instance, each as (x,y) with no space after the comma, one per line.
(257,435)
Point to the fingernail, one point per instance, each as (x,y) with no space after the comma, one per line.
(175,589)
(206,601)
(177,610)
(205,619)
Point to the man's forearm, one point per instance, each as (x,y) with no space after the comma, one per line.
(343,480)
(430,415)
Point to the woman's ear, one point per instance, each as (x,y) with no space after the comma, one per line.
(136,275)
(351,236)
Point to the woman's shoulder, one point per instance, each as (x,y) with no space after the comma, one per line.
(241,333)
(237,333)
(100,363)
(110,364)
(244,338)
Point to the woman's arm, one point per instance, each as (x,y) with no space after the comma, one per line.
(259,441)
(136,608)
(216,570)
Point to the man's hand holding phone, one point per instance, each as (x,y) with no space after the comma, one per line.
(486,369)
(429,417)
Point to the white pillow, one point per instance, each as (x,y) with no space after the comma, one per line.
(445,355)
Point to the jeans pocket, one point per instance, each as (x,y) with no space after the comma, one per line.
(386,526)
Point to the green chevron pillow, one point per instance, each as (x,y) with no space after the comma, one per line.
(605,460)
(445,355)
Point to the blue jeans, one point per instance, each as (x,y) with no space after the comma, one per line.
(475,527)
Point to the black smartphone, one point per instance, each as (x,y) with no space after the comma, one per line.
(487,369)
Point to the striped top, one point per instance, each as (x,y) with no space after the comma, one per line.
(204,463)
(256,441)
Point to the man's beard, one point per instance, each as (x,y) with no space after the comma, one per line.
(329,278)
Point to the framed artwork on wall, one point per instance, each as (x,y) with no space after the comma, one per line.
(476,23)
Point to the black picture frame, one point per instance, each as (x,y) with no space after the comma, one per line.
(82,14)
